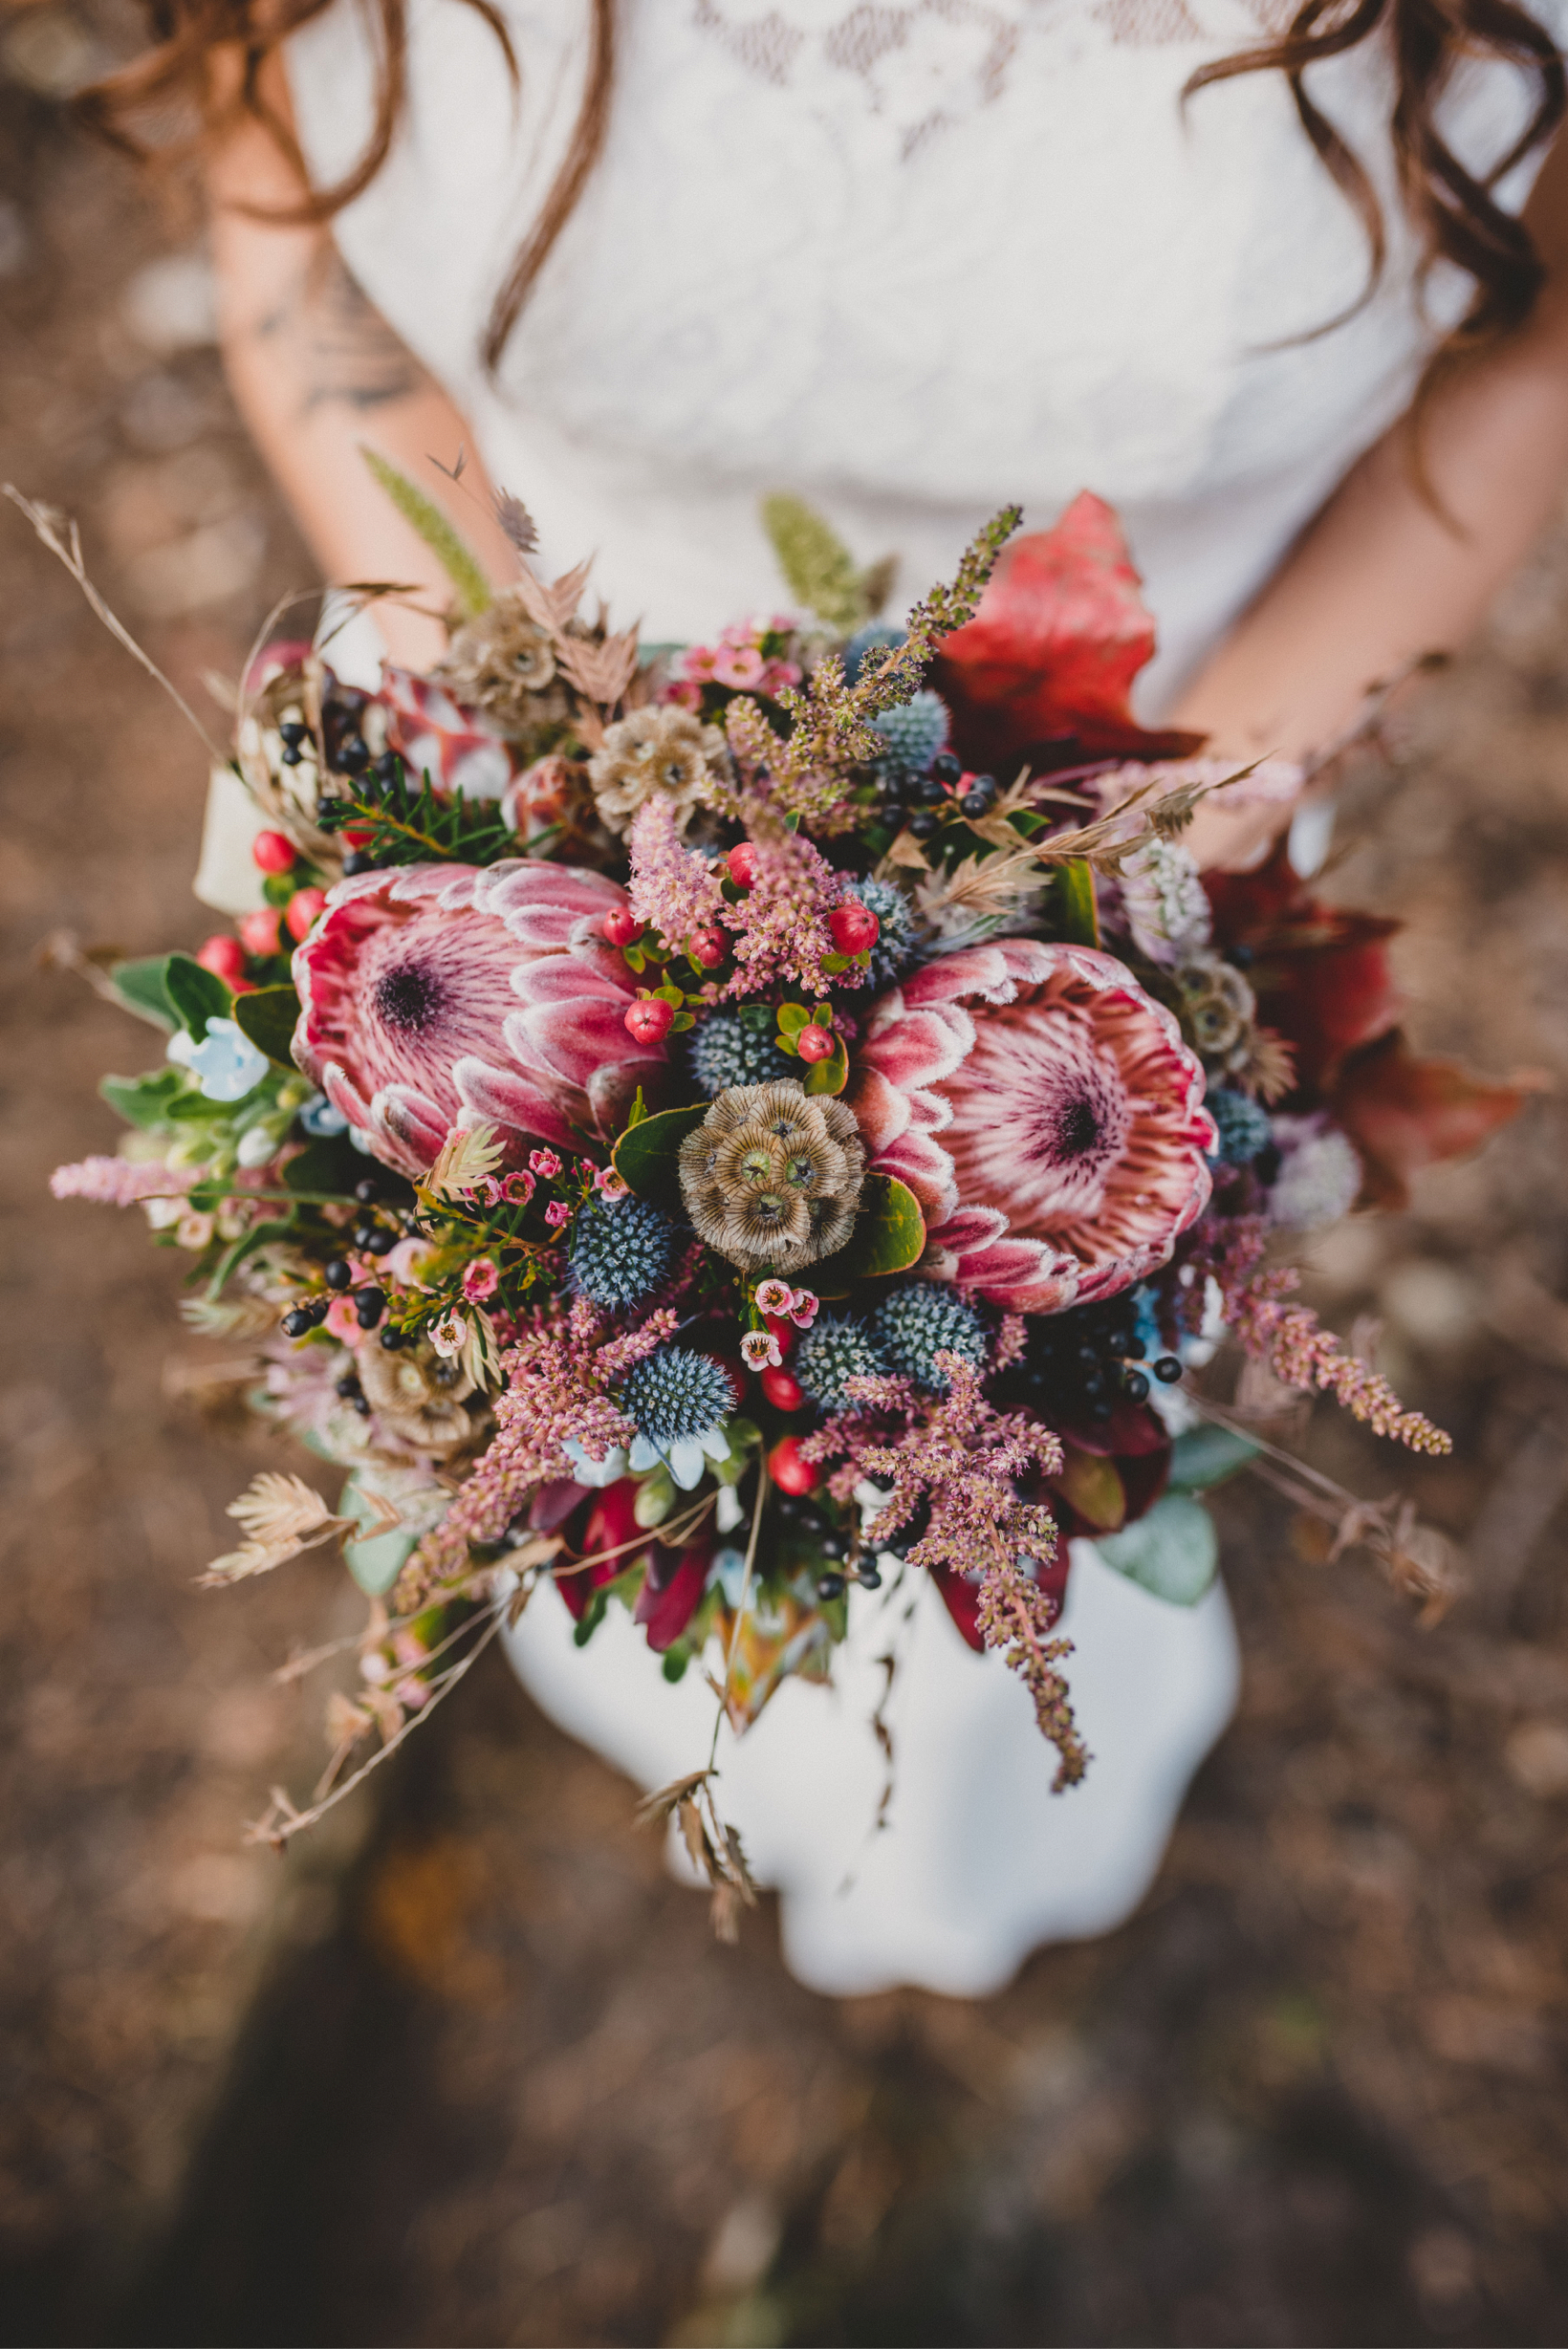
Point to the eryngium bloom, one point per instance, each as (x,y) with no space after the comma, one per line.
(438,994)
(772,1177)
(1045,1113)
(656,750)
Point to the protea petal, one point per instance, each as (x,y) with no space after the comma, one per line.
(1073,1136)
(409,988)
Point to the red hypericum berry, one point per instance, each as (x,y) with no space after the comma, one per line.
(784,1393)
(788,1470)
(259,932)
(814,1043)
(708,947)
(622,926)
(224,956)
(784,1332)
(743,865)
(854,927)
(274,852)
(302,909)
(357,839)
(650,1020)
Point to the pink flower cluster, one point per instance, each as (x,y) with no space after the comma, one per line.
(1303,1354)
(556,1377)
(739,660)
(120,1182)
(674,889)
(783,921)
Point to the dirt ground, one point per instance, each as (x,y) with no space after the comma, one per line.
(472,2069)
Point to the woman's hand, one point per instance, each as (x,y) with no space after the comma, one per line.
(316,370)
(1388,572)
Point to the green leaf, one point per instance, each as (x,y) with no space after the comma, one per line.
(144,1101)
(448,546)
(1172,1552)
(1075,908)
(267,1017)
(1206,1456)
(140,988)
(645,1156)
(197,996)
(889,1236)
(787,1044)
(830,1076)
(818,568)
(835,963)
(792,1018)
(259,1235)
(670,994)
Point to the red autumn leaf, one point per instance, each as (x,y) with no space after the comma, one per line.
(1050,655)
(1321,975)
(1404,1114)
(673,1586)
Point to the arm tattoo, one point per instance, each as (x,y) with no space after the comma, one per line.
(344,350)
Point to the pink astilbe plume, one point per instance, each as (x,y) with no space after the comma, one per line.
(1293,1344)
(961,1458)
(555,1393)
(783,921)
(674,889)
(120,1182)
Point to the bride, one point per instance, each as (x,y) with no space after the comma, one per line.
(1289,293)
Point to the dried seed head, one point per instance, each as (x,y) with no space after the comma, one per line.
(772,1175)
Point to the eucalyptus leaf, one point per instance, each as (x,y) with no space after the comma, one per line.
(889,1236)
(267,1017)
(196,995)
(1206,1456)
(376,1563)
(646,1156)
(1172,1552)
(144,1101)
(140,988)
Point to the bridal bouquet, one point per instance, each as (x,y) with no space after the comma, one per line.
(706,1130)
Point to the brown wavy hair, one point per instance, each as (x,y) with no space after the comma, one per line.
(1457,215)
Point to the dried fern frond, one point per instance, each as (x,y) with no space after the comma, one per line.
(601,671)
(554,607)
(467,1156)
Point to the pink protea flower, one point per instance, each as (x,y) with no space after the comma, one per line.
(1072,1140)
(443,994)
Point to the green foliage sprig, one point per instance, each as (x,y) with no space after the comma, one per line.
(409,827)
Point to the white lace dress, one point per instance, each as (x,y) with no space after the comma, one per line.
(912,259)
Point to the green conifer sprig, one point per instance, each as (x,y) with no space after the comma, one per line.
(417,827)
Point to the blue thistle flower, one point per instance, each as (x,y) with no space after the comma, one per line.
(622,1253)
(865,640)
(1244,1128)
(923,1318)
(914,732)
(835,1348)
(896,948)
(676,1394)
(725,1050)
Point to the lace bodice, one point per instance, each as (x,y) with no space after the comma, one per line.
(910,258)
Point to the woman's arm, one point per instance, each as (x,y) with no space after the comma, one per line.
(316,370)
(1381,577)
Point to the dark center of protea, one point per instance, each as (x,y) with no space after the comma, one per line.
(408,999)
(1077,1131)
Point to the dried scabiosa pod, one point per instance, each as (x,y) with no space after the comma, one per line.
(772,1177)
(664,750)
(501,664)
(418,1397)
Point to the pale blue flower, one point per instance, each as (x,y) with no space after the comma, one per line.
(225,1061)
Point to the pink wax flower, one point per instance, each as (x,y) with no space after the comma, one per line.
(432,990)
(740,666)
(405,1263)
(450,1333)
(611,1186)
(342,1322)
(557,1214)
(1045,1113)
(697,663)
(775,1296)
(480,1279)
(803,1309)
(544,1163)
(517,1189)
(683,693)
(760,1351)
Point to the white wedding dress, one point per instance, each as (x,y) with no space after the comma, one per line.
(912,260)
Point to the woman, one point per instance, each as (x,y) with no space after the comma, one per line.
(911,261)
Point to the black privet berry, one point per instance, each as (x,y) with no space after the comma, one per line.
(1136,1386)
(356,861)
(393,1339)
(832,1545)
(871,1577)
(923,823)
(1137,1349)
(946,767)
(297,1323)
(359,1403)
(1167,1370)
(974,803)
(361,1234)
(367,1190)
(830,1586)
(369,1306)
(381,1242)
(354,753)
(340,1274)
(294,733)
(349,1384)
(387,767)
(928,792)
(291,755)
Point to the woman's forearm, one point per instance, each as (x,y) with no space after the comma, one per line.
(316,372)
(1390,571)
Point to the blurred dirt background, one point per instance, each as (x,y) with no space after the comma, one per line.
(472,2069)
